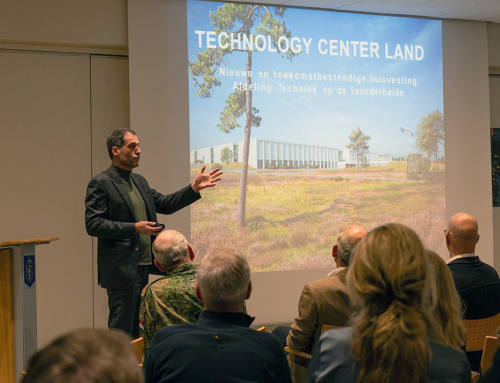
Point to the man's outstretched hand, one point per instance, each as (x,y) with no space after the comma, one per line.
(207,180)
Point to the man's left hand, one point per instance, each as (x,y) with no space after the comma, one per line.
(207,180)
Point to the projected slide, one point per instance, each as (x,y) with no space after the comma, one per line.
(318,119)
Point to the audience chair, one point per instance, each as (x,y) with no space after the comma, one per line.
(138,345)
(478,329)
(490,348)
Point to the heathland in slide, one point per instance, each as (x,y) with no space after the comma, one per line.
(293,217)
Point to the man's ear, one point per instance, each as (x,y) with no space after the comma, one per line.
(477,240)
(198,293)
(158,265)
(249,290)
(191,252)
(115,150)
(335,251)
(448,240)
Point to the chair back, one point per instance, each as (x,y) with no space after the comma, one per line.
(490,348)
(138,346)
(478,329)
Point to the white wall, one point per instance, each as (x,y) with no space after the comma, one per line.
(59,23)
(53,105)
(45,125)
(466,110)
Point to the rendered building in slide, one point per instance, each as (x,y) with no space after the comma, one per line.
(270,154)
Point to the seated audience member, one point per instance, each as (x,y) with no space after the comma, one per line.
(477,283)
(323,301)
(171,299)
(391,338)
(219,347)
(447,305)
(86,356)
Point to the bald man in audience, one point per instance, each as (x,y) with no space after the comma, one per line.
(171,299)
(477,283)
(323,301)
(220,347)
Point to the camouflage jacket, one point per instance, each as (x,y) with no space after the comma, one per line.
(169,300)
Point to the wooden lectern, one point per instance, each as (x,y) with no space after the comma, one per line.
(18,318)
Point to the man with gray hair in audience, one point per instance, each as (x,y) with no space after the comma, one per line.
(220,347)
(171,299)
(323,301)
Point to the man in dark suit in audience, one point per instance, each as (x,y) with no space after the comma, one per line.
(323,301)
(477,283)
(219,347)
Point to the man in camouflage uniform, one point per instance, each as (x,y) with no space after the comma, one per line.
(171,299)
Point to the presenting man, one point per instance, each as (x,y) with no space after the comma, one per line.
(121,211)
(171,299)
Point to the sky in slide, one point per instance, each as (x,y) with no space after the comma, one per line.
(325,111)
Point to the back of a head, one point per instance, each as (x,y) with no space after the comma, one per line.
(447,304)
(463,231)
(388,282)
(223,279)
(170,249)
(86,356)
(347,239)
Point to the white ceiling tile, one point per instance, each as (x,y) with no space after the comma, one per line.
(460,3)
(432,10)
(474,14)
(494,6)
(377,6)
(456,9)
(327,4)
(409,1)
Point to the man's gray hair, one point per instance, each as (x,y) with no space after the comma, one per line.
(223,278)
(169,256)
(347,239)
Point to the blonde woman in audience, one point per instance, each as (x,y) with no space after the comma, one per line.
(86,356)
(447,305)
(391,335)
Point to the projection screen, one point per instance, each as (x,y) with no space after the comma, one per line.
(318,119)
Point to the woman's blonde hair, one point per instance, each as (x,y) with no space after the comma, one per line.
(448,307)
(388,281)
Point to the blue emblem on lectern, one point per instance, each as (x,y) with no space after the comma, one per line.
(29,270)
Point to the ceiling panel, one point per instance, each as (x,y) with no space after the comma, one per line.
(482,10)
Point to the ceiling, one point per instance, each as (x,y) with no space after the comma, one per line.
(482,10)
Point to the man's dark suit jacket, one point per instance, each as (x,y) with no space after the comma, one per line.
(478,285)
(109,215)
(219,348)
